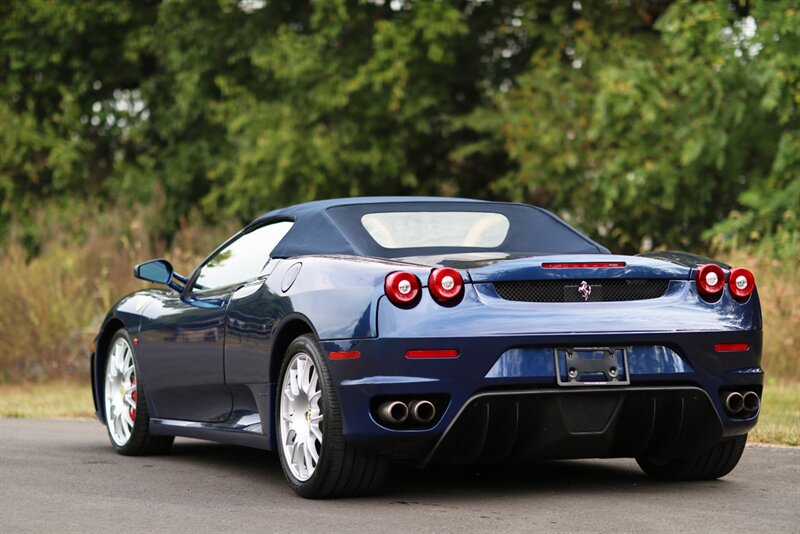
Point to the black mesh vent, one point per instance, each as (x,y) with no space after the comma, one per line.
(609,290)
(588,414)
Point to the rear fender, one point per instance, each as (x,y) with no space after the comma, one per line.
(338,295)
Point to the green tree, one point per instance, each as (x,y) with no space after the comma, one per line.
(648,127)
(64,72)
(641,121)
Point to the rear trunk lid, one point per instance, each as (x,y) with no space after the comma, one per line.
(590,278)
(577,267)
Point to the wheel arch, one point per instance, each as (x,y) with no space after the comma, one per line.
(287,330)
(111,327)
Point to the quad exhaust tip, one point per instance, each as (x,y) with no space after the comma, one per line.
(734,402)
(422,411)
(751,401)
(397,412)
(742,403)
(394,412)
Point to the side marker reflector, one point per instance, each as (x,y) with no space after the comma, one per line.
(732,347)
(345,355)
(447,353)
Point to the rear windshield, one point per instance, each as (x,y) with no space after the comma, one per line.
(467,229)
(428,228)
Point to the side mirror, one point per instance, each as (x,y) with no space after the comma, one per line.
(156,271)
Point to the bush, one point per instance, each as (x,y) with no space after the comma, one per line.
(53,304)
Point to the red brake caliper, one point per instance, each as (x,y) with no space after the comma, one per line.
(133,396)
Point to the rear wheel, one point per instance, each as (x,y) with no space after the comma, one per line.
(315,459)
(127,417)
(715,463)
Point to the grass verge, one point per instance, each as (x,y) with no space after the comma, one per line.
(779,423)
(51,400)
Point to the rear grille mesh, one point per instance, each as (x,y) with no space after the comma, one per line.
(588,414)
(609,290)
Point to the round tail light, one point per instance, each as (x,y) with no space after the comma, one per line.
(401,287)
(741,283)
(445,284)
(710,279)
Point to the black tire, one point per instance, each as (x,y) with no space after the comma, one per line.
(715,463)
(141,442)
(342,471)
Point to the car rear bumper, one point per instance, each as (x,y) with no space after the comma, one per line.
(530,425)
(505,388)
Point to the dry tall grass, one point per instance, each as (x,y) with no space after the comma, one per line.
(777,283)
(52,305)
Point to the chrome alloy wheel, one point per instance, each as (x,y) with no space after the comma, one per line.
(120,392)
(301,417)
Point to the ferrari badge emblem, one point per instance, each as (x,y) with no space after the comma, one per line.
(585,290)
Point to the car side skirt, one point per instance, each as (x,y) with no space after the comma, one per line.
(245,435)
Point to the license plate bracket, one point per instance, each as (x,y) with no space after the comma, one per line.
(592,366)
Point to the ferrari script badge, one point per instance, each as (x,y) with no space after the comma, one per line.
(585,290)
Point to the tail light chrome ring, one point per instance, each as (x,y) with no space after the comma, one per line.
(741,283)
(402,288)
(710,279)
(445,284)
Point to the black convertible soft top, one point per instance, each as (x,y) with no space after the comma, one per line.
(334,227)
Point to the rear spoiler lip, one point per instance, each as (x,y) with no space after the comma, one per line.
(686,259)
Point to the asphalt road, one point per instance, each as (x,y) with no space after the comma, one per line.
(62,476)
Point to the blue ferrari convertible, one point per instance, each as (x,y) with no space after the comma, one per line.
(346,334)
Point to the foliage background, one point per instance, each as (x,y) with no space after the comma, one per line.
(134,129)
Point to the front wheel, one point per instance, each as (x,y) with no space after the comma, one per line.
(315,459)
(127,418)
(715,463)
